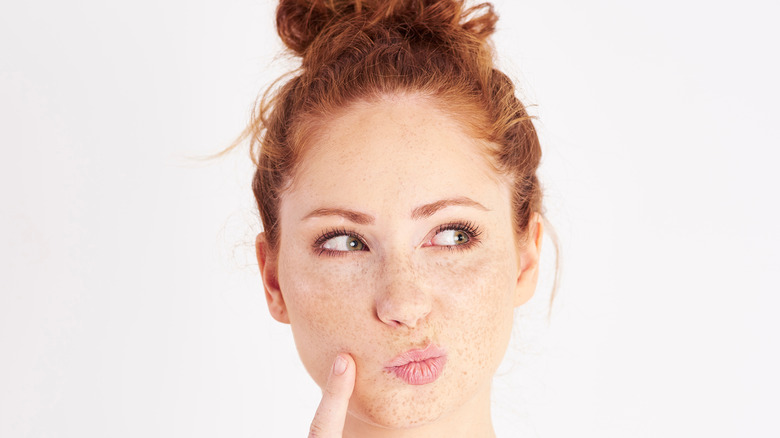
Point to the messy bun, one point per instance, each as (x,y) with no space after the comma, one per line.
(301,22)
(366,50)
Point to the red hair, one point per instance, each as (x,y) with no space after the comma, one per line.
(363,50)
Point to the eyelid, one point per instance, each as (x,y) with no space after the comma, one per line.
(468,227)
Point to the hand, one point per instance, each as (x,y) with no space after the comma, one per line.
(329,420)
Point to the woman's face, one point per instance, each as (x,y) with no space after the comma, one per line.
(397,235)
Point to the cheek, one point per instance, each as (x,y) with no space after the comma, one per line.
(325,309)
(480,286)
(478,300)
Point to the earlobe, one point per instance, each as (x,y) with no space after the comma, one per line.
(528,262)
(269,271)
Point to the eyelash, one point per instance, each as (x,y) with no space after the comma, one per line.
(467,227)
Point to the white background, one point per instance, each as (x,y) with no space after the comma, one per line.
(130,304)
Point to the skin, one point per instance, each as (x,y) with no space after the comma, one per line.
(411,284)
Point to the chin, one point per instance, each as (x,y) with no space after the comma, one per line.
(399,409)
(395,417)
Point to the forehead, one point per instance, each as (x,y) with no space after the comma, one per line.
(398,151)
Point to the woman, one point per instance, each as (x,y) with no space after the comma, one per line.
(402,215)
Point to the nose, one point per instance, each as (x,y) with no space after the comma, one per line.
(402,299)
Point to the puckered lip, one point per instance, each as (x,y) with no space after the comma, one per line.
(416,355)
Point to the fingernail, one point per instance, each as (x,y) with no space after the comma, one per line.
(339,366)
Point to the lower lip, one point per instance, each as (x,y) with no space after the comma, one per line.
(422,372)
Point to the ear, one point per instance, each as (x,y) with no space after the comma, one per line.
(528,262)
(270,272)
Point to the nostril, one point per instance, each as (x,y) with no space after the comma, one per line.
(391,322)
(395,323)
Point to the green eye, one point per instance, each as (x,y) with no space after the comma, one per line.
(451,238)
(344,243)
(354,244)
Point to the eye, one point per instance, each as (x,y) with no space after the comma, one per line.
(450,238)
(456,235)
(343,243)
(337,242)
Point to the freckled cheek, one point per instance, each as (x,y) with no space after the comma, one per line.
(479,296)
(325,291)
(480,286)
(328,304)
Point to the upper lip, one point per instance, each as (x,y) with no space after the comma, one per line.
(416,355)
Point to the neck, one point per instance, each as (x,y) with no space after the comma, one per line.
(471,420)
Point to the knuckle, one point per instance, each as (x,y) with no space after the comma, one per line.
(315,431)
(329,392)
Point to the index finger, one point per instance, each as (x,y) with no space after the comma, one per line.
(330,416)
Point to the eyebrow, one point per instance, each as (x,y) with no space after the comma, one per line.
(420,212)
(428,210)
(351,215)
